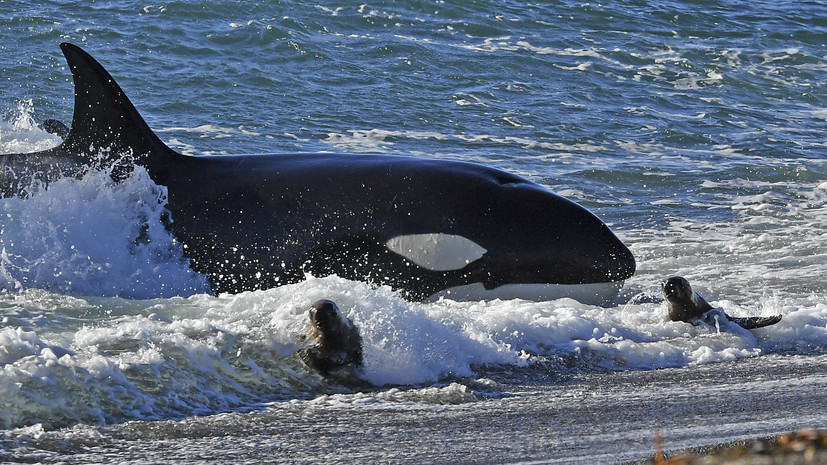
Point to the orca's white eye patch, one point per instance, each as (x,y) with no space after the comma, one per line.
(435,251)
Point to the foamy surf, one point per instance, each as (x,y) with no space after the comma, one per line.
(167,358)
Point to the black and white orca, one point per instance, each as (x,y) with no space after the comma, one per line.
(425,227)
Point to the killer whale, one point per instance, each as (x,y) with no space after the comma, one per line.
(425,227)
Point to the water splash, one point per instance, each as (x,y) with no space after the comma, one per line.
(93,236)
(20,133)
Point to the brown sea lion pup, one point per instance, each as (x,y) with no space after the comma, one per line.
(686,305)
(336,342)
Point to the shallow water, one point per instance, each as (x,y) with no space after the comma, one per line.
(695,130)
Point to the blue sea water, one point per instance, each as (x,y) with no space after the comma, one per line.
(695,129)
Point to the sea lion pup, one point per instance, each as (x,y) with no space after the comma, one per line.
(336,342)
(686,305)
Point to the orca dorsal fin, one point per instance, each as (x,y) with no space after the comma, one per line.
(104,118)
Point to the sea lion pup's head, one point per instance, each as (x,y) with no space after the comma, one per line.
(684,304)
(676,289)
(336,342)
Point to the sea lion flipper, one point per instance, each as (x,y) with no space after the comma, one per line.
(753,322)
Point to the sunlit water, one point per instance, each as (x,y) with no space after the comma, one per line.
(696,131)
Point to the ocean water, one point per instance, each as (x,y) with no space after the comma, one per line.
(696,130)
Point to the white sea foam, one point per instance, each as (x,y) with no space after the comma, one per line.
(372,140)
(773,243)
(240,349)
(205,131)
(211,130)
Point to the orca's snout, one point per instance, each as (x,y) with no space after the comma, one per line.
(579,247)
(619,263)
